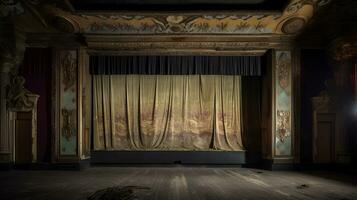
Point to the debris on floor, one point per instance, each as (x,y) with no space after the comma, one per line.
(302,186)
(118,193)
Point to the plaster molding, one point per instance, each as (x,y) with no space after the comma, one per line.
(193,23)
(216,43)
(18,97)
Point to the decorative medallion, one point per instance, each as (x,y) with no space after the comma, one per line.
(293,25)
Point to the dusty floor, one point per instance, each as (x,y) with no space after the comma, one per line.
(186,183)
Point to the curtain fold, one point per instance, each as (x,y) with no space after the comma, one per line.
(167,112)
(176,65)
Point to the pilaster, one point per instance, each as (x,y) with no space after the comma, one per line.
(279,145)
(68,105)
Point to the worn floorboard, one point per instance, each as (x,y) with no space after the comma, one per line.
(179,183)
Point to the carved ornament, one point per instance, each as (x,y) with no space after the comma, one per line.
(18,97)
(293,25)
(283,125)
(295,5)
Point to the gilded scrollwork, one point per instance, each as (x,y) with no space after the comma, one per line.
(283,125)
(296,5)
(18,95)
(175,24)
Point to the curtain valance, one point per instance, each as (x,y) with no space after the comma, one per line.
(176,65)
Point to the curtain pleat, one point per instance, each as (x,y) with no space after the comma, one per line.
(167,112)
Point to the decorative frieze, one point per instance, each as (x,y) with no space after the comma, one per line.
(283,125)
(289,21)
(192,24)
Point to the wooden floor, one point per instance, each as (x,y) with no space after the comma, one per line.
(186,183)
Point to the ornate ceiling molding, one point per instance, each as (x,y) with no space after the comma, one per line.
(211,44)
(289,21)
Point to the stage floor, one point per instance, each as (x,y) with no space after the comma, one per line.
(168,157)
(179,183)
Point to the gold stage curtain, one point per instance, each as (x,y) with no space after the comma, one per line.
(167,112)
